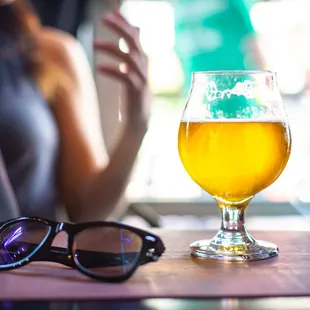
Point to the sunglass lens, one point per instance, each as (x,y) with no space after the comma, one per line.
(107,251)
(20,240)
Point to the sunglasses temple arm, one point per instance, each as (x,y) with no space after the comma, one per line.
(154,252)
(93,259)
(87,259)
(159,247)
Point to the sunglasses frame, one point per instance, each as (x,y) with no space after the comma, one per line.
(152,246)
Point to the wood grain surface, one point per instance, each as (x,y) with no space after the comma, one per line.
(176,274)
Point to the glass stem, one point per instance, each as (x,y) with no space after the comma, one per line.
(233,229)
(232,219)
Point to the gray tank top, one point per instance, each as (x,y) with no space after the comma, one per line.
(29,140)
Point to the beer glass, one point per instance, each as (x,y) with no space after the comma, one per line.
(234,140)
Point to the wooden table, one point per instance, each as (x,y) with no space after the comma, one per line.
(287,303)
(176,275)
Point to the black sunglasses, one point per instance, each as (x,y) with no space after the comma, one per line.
(105,251)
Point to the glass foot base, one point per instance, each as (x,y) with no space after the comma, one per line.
(256,250)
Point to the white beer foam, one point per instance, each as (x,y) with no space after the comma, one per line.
(245,88)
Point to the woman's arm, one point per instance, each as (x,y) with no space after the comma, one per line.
(92,183)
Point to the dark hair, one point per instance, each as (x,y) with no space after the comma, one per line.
(20,20)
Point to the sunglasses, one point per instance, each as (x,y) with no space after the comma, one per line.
(105,251)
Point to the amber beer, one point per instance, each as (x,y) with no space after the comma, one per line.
(235,159)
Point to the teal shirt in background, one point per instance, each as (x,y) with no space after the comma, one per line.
(211,35)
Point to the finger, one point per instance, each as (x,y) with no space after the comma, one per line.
(130,59)
(133,62)
(128,32)
(120,16)
(130,79)
(123,19)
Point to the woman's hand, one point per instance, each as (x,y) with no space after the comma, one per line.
(133,72)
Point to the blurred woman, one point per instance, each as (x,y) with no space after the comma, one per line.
(50,132)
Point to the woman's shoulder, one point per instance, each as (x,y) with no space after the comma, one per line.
(63,50)
(61,46)
(57,40)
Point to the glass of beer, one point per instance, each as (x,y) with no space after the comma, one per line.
(234,141)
